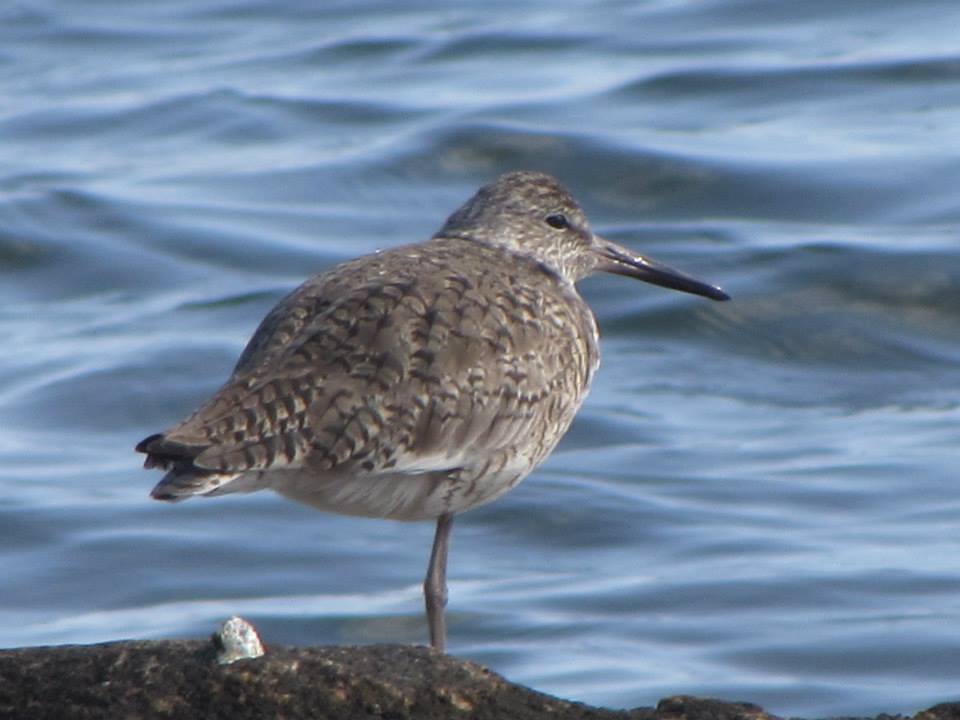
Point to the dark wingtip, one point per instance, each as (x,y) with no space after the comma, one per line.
(144,445)
(154,461)
(159,494)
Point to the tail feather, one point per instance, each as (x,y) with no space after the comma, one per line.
(183,483)
(183,479)
(162,452)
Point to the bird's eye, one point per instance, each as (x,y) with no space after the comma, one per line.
(558,221)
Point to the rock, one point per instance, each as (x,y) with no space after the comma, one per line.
(183,680)
(684,707)
(943,711)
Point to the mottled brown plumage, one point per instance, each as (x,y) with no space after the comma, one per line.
(418,382)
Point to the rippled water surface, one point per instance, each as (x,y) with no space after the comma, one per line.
(759,499)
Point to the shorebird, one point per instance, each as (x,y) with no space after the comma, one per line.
(418,382)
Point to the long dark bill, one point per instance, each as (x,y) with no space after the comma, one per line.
(617,259)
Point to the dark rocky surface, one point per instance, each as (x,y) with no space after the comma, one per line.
(182,679)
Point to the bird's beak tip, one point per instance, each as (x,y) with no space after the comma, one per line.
(619,260)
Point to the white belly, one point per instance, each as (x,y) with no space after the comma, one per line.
(399,496)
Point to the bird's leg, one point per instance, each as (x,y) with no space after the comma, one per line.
(435,584)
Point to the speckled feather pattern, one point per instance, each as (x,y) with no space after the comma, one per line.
(414,382)
(421,381)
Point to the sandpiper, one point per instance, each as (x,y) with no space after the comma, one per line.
(418,382)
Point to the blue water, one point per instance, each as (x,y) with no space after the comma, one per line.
(759,499)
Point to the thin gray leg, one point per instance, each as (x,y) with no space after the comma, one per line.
(435,585)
